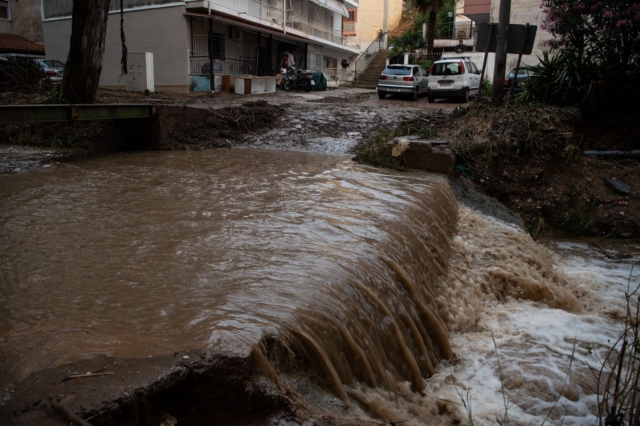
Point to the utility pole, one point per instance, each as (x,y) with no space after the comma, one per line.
(501,52)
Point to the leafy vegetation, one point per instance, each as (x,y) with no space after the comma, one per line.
(412,39)
(595,58)
(377,154)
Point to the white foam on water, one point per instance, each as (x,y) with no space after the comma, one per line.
(549,358)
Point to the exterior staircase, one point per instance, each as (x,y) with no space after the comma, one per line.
(368,78)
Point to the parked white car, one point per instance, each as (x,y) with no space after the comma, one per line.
(455,77)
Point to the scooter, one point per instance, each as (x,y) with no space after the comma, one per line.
(297,79)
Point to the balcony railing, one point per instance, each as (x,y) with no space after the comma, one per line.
(348,26)
(313,28)
(274,15)
(200,65)
(369,53)
(254,8)
(451,31)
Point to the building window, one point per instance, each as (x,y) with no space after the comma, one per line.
(4,10)
(349,24)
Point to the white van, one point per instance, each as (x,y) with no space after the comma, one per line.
(453,77)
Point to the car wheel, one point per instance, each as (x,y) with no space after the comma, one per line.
(287,85)
(414,97)
(431,99)
(465,97)
(381,95)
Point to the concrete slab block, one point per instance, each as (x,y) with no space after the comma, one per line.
(430,155)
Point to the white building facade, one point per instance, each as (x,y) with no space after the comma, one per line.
(248,37)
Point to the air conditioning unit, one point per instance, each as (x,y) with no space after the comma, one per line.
(236,33)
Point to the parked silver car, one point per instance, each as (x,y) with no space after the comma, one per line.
(410,80)
(53,69)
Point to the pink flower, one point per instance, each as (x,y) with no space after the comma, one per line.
(628,72)
(607,14)
(621,213)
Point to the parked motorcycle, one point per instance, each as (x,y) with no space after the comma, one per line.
(297,79)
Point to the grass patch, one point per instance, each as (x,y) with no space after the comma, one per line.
(537,225)
(514,128)
(377,154)
(578,222)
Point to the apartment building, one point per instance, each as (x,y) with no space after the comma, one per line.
(250,37)
(21,28)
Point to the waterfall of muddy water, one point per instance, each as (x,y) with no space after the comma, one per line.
(346,270)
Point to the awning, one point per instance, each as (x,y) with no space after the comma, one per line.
(333,5)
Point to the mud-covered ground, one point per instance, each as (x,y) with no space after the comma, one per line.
(529,158)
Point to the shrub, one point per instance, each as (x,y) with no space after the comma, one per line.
(597,56)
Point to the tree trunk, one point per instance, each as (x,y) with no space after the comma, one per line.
(433,14)
(84,63)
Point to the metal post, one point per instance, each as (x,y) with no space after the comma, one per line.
(515,77)
(484,63)
(210,45)
(501,52)
(258,56)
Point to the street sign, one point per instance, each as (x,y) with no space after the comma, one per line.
(520,36)
(486,41)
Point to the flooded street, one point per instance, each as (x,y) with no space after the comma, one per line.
(363,294)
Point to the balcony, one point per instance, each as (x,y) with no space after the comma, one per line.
(274,16)
(349,28)
(314,28)
(457,31)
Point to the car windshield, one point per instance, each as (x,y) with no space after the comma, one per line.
(446,68)
(52,63)
(397,71)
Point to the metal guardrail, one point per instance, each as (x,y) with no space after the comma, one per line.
(10,114)
(368,54)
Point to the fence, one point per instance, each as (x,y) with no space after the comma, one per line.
(200,65)
(451,31)
(331,73)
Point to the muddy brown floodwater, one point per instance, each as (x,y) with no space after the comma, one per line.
(326,274)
